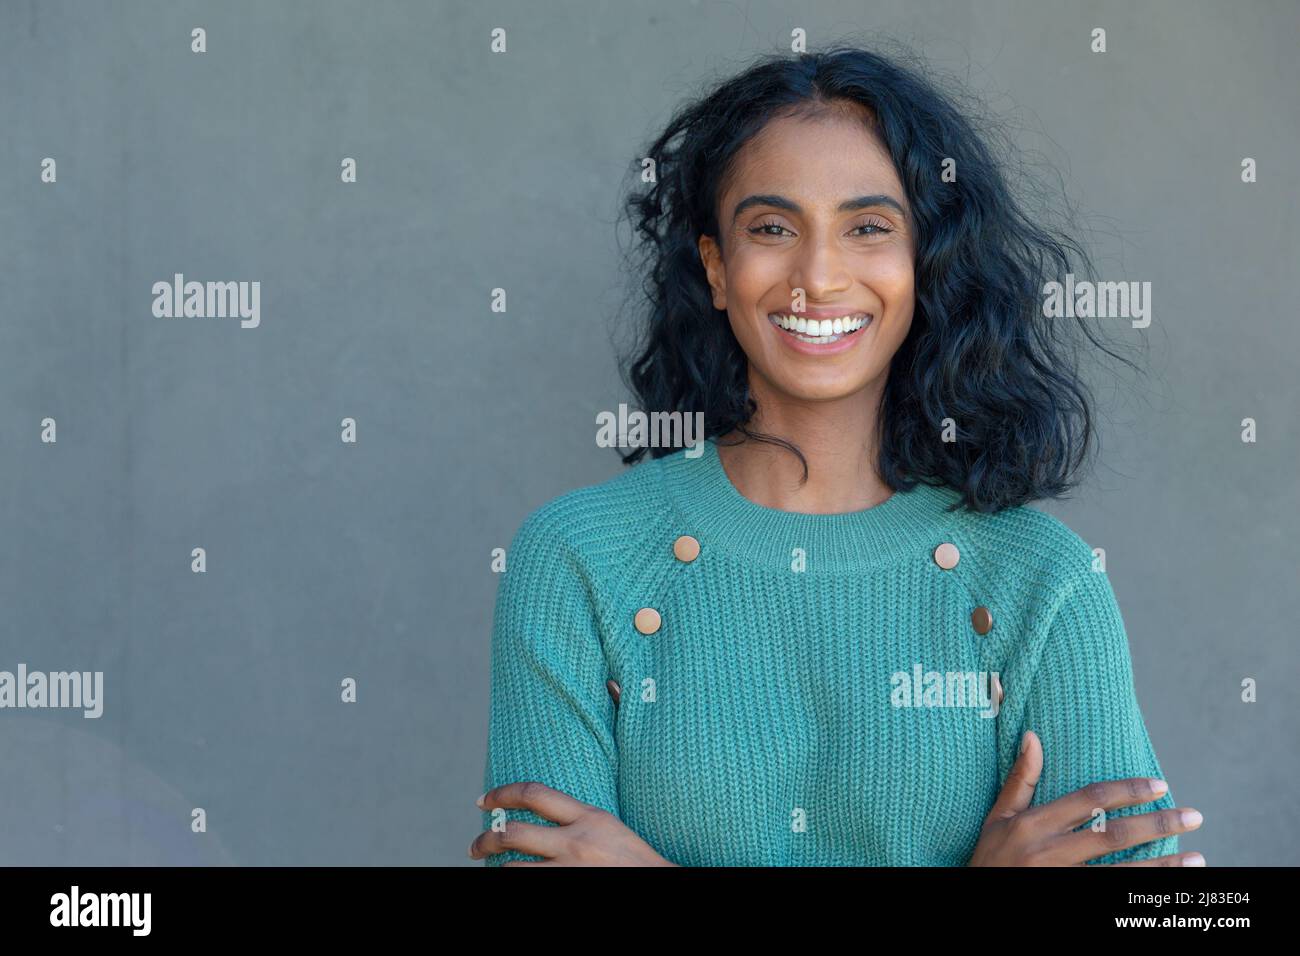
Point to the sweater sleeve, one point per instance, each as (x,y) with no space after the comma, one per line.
(1083,707)
(551,718)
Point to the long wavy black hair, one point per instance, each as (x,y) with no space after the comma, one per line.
(980,352)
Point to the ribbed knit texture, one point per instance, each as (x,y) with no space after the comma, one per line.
(759,725)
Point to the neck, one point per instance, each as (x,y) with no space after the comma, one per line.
(706,504)
(837,439)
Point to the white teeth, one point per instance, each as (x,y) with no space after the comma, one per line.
(819,332)
(819,328)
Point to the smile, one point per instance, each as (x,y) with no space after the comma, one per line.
(820,332)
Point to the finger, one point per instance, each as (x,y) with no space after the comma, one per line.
(535,839)
(554,805)
(1120,833)
(1065,813)
(1175,859)
(1018,791)
(532,863)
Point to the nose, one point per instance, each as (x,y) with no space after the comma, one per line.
(820,270)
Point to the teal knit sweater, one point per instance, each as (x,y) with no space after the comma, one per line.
(817,691)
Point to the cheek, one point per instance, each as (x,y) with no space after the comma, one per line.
(750,278)
(744,327)
(895,282)
(751,274)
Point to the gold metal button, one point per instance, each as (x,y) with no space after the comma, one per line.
(615,691)
(647,620)
(686,549)
(982,620)
(997,689)
(947,556)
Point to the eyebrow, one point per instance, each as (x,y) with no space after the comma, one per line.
(849,205)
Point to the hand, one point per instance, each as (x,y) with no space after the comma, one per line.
(1014,835)
(586,835)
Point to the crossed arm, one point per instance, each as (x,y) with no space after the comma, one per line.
(551,738)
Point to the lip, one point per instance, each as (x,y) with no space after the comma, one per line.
(842,344)
(823,313)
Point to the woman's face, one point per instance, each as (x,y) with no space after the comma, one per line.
(814,206)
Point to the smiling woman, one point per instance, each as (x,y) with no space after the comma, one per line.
(697,662)
(799,240)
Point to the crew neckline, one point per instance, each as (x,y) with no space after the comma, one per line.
(714,511)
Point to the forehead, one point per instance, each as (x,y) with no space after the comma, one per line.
(823,158)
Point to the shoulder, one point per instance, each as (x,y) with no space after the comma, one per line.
(595,521)
(1024,555)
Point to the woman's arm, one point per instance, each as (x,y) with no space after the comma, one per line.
(551,719)
(1082,706)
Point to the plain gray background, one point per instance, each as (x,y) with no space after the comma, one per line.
(479,171)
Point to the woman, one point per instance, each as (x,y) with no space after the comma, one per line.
(834,634)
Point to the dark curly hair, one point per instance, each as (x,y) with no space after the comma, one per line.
(979,352)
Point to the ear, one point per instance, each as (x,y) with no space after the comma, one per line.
(711,256)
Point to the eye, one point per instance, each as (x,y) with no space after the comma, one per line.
(872,227)
(877,226)
(758,230)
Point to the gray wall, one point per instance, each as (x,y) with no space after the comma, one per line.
(371,560)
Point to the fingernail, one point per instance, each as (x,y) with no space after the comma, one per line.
(1193,859)
(480,800)
(1024,741)
(1159,787)
(1191,818)
(470,851)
